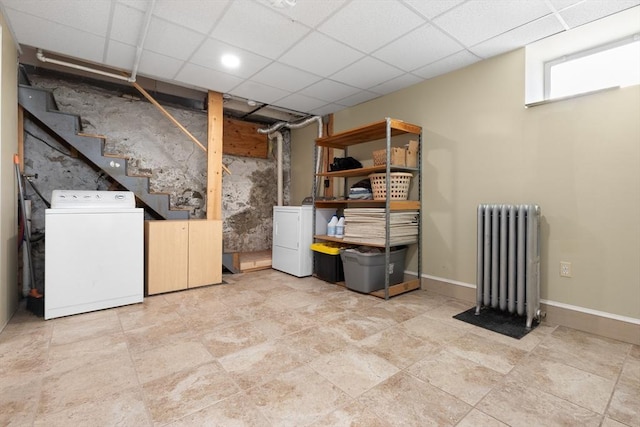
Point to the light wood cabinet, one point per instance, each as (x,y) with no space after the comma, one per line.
(182,254)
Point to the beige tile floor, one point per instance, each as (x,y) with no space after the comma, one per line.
(268,349)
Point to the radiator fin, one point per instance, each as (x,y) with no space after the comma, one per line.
(508,267)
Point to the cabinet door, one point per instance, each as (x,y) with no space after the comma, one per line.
(205,252)
(166,255)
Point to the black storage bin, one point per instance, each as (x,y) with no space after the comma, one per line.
(327,266)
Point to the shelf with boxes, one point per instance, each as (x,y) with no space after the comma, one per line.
(377,221)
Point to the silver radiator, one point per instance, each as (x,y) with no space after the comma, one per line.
(508,269)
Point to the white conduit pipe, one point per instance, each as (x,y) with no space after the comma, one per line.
(143,38)
(278,137)
(136,63)
(43,58)
(272,132)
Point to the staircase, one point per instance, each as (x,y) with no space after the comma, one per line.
(41,104)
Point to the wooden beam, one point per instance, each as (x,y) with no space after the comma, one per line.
(214,155)
(242,139)
(173,120)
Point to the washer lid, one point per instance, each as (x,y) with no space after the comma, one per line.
(79,199)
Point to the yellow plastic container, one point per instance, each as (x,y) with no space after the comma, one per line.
(326,248)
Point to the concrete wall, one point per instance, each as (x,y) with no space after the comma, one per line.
(9,294)
(579,159)
(136,129)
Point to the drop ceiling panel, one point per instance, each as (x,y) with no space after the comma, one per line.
(285,77)
(326,109)
(450,63)
(309,13)
(205,78)
(396,84)
(136,4)
(329,90)
(561,4)
(366,27)
(91,16)
(366,73)
(200,16)
(120,55)
(299,102)
(172,40)
(427,45)
(126,24)
(318,54)
(433,8)
(371,47)
(209,55)
(259,92)
(159,66)
(593,9)
(523,35)
(29,30)
(358,98)
(256,28)
(476,21)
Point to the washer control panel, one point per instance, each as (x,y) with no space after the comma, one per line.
(79,199)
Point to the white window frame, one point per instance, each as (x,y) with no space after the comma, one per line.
(582,54)
(619,26)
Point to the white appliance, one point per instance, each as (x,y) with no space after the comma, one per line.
(293,235)
(94,252)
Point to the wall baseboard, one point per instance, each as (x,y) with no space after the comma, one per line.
(608,325)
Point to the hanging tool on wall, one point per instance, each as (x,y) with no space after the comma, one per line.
(33,292)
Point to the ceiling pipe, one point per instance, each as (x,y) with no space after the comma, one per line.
(43,58)
(297,125)
(136,62)
(272,132)
(143,38)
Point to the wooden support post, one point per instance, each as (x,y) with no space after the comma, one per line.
(214,156)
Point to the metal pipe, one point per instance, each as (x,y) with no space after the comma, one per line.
(273,129)
(143,37)
(43,58)
(297,125)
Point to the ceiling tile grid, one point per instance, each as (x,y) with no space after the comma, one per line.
(427,44)
(256,28)
(366,27)
(209,53)
(317,57)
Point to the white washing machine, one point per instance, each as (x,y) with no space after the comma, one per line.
(94,252)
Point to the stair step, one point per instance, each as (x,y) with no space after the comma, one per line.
(41,104)
(115,156)
(92,135)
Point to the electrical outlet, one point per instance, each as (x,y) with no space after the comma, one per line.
(565,269)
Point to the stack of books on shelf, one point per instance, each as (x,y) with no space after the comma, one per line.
(367,225)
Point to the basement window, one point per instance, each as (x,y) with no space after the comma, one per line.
(611,65)
(584,59)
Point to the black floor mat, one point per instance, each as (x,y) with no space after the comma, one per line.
(497,321)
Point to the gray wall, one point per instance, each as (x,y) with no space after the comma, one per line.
(136,129)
